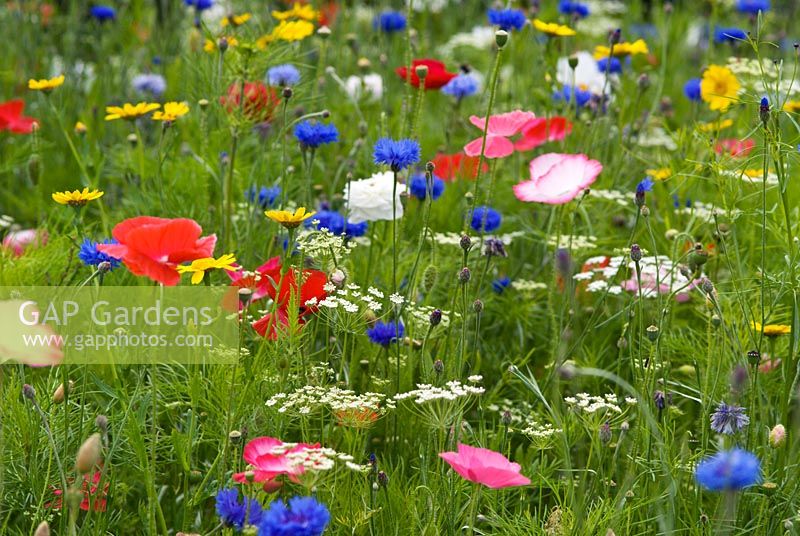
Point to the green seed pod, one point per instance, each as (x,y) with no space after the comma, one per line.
(429,277)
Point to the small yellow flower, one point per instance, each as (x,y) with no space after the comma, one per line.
(172,111)
(792,106)
(715,126)
(76,198)
(130,111)
(236,20)
(621,49)
(46,85)
(80,128)
(552,28)
(295,30)
(298,11)
(719,87)
(772,330)
(199,267)
(213,46)
(288,219)
(659,174)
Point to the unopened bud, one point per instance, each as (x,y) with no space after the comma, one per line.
(88,455)
(29,392)
(324,32)
(42,530)
(235,437)
(203,104)
(465,242)
(501,38)
(383,479)
(436,317)
(287,93)
(338,278)
(636,253)
(245,295)
(438,366)
(222,44)
(61,392)
(652,333)
(777,436)
(101,421)
(573,62)
(477,306)
(464,275)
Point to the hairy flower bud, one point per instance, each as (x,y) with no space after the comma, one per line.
(777,436)
(88,455)
(436,317)
(465,242)
(61,392)
(464,275)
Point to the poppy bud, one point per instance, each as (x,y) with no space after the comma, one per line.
(699,256)
(421,72)
(235,436)
(88,455)
(753,357)
(42,530)
(573,62)
(501,38)
(429,167)
(60,392)
(101,421)
(652,333)
(245,295)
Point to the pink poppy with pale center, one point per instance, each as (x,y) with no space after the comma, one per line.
(558,178)
(484,466)
(501,128)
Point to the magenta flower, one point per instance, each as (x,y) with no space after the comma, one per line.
(267,458)
(540,130)
(557,178)
(484,466)
(19,241)
(501,128)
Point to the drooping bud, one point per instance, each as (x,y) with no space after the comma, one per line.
(101,421)
(88,455)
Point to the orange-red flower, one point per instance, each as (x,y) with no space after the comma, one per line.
(438,75)
(450,167)
(12,120)
(260,100)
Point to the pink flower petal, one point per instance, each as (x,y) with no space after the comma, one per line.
(539,131)
(496,147)
(484,466)
(558,178)
(506,124)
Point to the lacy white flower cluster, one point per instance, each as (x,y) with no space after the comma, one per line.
(752,176)
(454,239)
(350,298)
(6,221)
(576,242)
(659,275)
(420,315)
(605,14)
(306,399)
(592,404)
(318,458)
(323,243)
(523,285)
(752,74)
(452,390)
(615,196)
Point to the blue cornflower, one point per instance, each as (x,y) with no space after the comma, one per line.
(199,5)
(328,219)
(90,256)
(352,230)
(234,513)
(500,284)
(752,7)
(645,185)
(573,8)
(315,134)
(265,196)
(418,186)
(283,75)
(385,333)
(582,96)
(507,19)
(614,67)
(729,35)
(389,21)
(103,13)
(728,470)
(461,86)
(397,154)
(151,83)
(692,89)
(304,516)
(485,219)
(728,419)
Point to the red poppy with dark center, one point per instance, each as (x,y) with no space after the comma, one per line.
(450,167)
(438,75)
(312,289)
(540,130)
(92,497)
(260,100)
(734,147)
(154,247)
(12,120)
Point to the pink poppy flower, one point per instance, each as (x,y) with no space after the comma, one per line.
(734,147)
(267,458)
(19,241)
(261,281)
(651,287)
(501,127)
(540,130)
(484,466)
(558,178)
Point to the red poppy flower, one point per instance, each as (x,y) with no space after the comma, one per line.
(261,101)
(259,281)
(11,118)
(457,166)
(312,289)
(153,247)
(437,77)
(327,13)
(92,498)
(734,147)
(540,130)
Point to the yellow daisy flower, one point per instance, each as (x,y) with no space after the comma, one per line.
(236,20)
(622,49)
(171,112)
(76,198)
(715,126)
(295,30)
(772,330)
(80,128)
(199,267)
(659,174)
(552,28)
(45,84)
(288,219)
(298,11)
(719,87)
(130,111)
(792,106)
